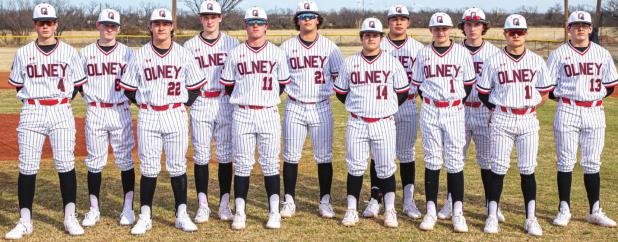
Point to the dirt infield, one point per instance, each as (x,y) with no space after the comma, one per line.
(4,81)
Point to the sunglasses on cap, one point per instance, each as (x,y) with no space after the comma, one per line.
(472,18)
(43,23)
(259,22)
(307,16)
(519,32)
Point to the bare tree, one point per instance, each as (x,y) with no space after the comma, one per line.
(226,5)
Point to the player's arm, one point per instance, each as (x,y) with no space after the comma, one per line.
(342,85)
(401,84)
(193,73)
(130,80)
(552,68)
(77,90)
(610,79)
(469,76)
(283,73)
(484,86)
(468,89)
(16,79)
(546,84)
(227,76)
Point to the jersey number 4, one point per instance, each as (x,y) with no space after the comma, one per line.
(382,92)
(61,85)
(173,89)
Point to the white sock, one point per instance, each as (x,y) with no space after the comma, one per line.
(449,200)
(202,199)
(69,210)
(351,203)
(225,201)
(181,210)
(240,205)
(289,198)
(431,208)
(94,202)
(458,208)
(492,209)
(408,194)
(145,211)
(389,201)
(128,201)
(273,200)
(595,207)
(24,214)
(564,206)
(531,209)
(325,199)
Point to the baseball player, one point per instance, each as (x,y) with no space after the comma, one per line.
(514,82)
(108,119)
(45,73)
(254,74)
(474,25)
(211,114)
(585,74)
(314,63)
(372,85)
(404,48)
(444,73)
(160,78)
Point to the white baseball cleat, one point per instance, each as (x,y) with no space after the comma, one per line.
(599,218)
(71,226)
(21,228)
(532,227)
(428,223)
(326,210)
(372,210)
(459,223)
(202,215)
(412,211)
(390,218)
(274,221)
(225,213)
(350,218)
(491,225)
(127,218)
(501,217)
(288,209)
(239,221)
(447,211)
(91,218)
(562,218)
(143,224)
(184,223)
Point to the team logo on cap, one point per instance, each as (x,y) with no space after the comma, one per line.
(209,6)
(472,15)
(255,13)
(439,19)
(516,21)
(580,16)
(398,9)
(162,13)
(372,24)
(307,6)
(110,15)
(44,11)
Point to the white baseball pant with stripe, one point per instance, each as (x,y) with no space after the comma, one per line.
(509,129)
(406,121)
(443,135)
(212,117)
(315,119)
(478,130)
(261,127)
(375,138)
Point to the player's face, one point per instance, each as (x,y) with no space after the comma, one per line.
(161,30)
(398,25)
(371,41)
(210,22)
(441,34)
(579,31)
(473,30)
(108,31)
(46,29)
(308,22)
(515,38)
(256,28)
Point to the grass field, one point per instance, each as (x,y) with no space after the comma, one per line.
(306,226)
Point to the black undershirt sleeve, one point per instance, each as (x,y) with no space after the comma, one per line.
(468,91)
(130,95)
(18,89)
(609,91)
(342,97)
(193,94)
(552,96)
(420,94)
(485,100)
(75,91)
(402,97)
(281,89)
(229,90)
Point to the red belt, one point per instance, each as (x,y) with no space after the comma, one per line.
(518,111)
(411,97)
(296,100)
(160,108)
(48,102)
(251,107)
(473,104)
(582,103)
(210,94)
(105,105)
(443,104)
(368,120)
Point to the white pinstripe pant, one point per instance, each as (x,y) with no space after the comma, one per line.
(211,117)
(261,127)
(406,121)
(443,135)
(105,126)
(167,129)
(575,126)
(509,129)
(317,119)
(379,138)
(477,130)
(37,122)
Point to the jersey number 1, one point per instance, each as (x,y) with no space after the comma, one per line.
(382,92)
(595,85)
(268,83)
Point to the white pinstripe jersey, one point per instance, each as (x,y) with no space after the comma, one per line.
(442,77)
(406,54)
(211,57)
(312,68)
(162,79)
(479,57)
(372,86)
(256,74)
(582,76)
(104,71)
(46,75)
(515,83)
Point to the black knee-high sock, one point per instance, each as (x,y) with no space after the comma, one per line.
(68,187)
(407,172)
(455,186)
(592,182)
(201,178)
(241,187)
(325,177)
(179,187)
(272,184)
(94,184)
(225,178)
(128,180)
(25,191)
(495,187)
(388,184)
(432,180)
(528,188)
(147,188)
(290,172)
(564,187)
(354,185)
(373,178)
(486,178)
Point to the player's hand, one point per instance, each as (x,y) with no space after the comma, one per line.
(491,115)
